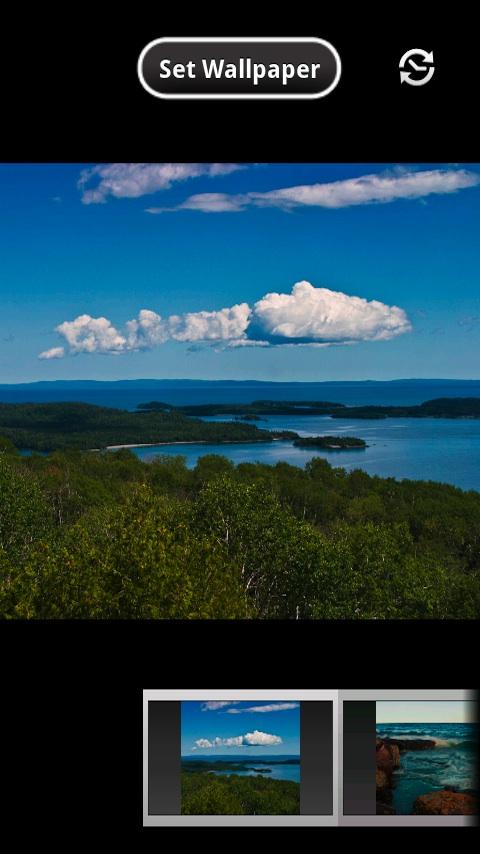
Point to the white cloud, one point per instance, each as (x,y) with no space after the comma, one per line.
(131,180)
(370,188)
(247,342)
(53,353)
(146,331)
(233,741)
(249,739)
(364,190)
(308,316)
(263,738)
(208,203)
(214,705)
(271,707)
(319,315)
(88,334)
(224,325)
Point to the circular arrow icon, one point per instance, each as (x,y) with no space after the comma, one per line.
(407,62)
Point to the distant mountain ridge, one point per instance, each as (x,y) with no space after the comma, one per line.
(145,382)
(129,393)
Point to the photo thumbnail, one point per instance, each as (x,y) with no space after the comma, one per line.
(240,758)
(426,758)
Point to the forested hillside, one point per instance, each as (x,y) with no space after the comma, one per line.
(106,535)
(206,794)
(82,426)
(442,407)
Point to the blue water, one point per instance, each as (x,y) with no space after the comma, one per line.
(452,763)
(443,450)
(439,449)
(275,772)
(128,394)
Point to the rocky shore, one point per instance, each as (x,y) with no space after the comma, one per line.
(387,760)
(446,802)
(441,802)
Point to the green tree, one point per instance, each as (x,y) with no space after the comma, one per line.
(138,560)
(7,446)
(24,513)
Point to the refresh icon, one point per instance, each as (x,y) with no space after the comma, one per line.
(410,69)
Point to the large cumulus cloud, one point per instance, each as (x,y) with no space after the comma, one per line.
(308,316)
(318,315)
(249,739)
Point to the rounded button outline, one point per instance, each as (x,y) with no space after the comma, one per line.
(240,40)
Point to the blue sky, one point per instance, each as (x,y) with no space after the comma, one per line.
(435,711)
(187,246)
(240,728)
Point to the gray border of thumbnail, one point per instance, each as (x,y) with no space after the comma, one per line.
(399,820)
(241,820)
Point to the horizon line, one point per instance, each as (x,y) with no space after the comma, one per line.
(202,755)
(248,380)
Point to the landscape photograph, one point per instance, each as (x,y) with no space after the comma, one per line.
(240,391)
(427,758)
(240,757)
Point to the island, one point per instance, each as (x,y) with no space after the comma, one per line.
(227,765)
(256,408)
(49,427)
(442,407)
(330,443)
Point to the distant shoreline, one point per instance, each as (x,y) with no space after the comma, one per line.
(187,442)
(151,445)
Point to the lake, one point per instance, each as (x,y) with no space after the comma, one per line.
(441,449)
(277,771)
(127,394)
(274,772)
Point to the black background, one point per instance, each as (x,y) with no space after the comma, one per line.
(71,760)
(70,92)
